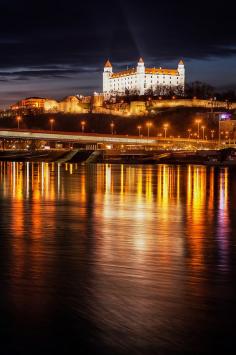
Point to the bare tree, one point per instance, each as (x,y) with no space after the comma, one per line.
(199,89)
(179,90)
(149,92)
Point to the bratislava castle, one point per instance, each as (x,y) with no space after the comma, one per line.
(141,79)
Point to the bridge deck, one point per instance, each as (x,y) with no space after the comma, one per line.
(93,138)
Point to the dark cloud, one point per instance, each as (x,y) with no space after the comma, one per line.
(57,72)
(70,32)
(50,34)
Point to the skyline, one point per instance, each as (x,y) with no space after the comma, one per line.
(61,50)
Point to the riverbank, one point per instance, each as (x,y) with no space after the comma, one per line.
(224,157)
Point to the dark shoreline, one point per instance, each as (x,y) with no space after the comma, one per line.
(207,158)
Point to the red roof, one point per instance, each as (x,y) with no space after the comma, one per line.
(108,64)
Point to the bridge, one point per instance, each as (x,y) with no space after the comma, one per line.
(105,140)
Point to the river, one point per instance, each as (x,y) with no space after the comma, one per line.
(117,259)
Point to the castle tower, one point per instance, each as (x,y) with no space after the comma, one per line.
(140,76)
(181,70)
(106,77)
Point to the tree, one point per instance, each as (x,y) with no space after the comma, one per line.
(229,95)
(164,90)
(127,92)
(158,91)
(149,92)
(179,90)
(199,89)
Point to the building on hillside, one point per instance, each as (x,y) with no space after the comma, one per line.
(72,104)
(97,100)
(30,103)
(140,80)
(51,105)
(227,124)
(84,99)
(35,105)
(138,108)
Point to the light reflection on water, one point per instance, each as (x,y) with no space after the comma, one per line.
(122,258)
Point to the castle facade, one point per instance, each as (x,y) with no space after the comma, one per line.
(140,80)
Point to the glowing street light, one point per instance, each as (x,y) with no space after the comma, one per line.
(165,126)
(203,132)
(189,133)
(83,123)
(198,121)
(112,127)
(52,121)
(18,119)
(149,125)
(139,129)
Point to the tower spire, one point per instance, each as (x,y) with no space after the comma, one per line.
(141,60)
(108,64)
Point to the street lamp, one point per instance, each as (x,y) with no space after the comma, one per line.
(165,126)
(189,133)
(18,119)
(83,123)
(148,124)
(219,136)
(139,129)
(212,134)
(198,121)
(52,123)
(112,127)
(203,130)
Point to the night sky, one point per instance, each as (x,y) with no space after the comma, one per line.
(56,48)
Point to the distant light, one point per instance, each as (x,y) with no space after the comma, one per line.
(225,116)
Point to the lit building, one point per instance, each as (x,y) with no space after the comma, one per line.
(141,79)
(51,105)
(227,123)
(29,103)
(71,104)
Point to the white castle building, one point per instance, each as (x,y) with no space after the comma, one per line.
(142,79)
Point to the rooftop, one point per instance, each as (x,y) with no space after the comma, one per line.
(154,71)
(108,64)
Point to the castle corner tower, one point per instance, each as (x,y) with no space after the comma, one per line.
(181,71)
(140,76)
(106,77)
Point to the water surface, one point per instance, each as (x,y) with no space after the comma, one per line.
(117,259)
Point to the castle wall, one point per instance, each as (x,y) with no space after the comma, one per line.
(97,100)
(51,106)
(71,104)
(108,111)
(138,108)
(191,103)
